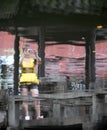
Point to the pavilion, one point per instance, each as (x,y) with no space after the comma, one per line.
(55,20)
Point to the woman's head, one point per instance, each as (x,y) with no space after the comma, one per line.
(28,52)
(26,47)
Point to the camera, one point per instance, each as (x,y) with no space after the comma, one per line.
(30,51)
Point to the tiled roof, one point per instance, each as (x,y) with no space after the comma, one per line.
(9,8)
(69,6)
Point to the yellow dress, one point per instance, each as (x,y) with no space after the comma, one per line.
(28,75)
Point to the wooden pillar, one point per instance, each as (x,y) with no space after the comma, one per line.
(93,59)
(16,64)
(87,66)
(90,58)
(13,111)
(41,50)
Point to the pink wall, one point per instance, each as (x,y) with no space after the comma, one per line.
(67,65)
(6,43)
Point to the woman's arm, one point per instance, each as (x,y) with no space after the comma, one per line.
(21,60)
(37,58)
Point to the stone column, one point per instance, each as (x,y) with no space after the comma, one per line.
(97,107)
(13,113)
(56,109)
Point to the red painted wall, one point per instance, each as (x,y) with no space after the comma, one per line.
(6,43)
(67,65)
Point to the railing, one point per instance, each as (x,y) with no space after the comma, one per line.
(54,84)
(61,108)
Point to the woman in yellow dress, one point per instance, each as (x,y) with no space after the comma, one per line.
(29,80)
